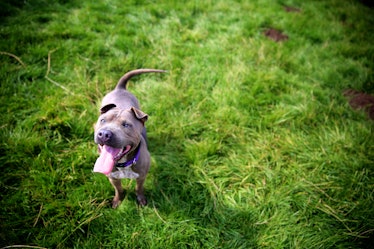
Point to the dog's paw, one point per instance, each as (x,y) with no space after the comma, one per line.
(142,201)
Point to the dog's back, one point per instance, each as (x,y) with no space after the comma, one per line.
(122,98)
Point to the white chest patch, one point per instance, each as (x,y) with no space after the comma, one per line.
(125,172)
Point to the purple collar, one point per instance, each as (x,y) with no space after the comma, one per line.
(130,162)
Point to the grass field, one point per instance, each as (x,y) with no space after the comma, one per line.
(253,144)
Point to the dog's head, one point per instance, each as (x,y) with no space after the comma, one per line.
(119,128)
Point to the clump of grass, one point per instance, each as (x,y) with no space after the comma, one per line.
(252,142)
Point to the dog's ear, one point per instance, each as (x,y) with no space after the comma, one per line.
(141,116)
(106,108)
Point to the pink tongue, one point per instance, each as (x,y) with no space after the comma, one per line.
(104,164)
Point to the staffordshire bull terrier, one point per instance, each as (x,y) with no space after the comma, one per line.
(121,138)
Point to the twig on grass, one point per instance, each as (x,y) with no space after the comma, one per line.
(158,215)
(37,218)
(49,62)
(15,57)
(59,85)
(23,246)
(49,69)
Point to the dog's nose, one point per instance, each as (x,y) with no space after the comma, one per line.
(104,135)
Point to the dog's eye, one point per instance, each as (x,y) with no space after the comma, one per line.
(126,125)
(102,120)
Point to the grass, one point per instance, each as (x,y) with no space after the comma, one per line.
(253,144)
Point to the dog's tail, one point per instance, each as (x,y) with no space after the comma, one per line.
(123,81)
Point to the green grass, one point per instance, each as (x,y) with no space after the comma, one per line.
(253,144)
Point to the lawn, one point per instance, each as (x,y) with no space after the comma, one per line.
(253,143)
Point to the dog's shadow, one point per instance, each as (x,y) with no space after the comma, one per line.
(175,189)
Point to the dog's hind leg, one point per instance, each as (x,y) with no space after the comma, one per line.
(118,197)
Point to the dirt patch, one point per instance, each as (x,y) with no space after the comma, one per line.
(291,9)
(360,101)
(275,35)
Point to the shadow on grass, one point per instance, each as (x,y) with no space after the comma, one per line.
(12,8)
(181,196)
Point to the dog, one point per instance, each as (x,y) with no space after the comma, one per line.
(121,138)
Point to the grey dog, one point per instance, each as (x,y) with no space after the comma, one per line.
(121,138)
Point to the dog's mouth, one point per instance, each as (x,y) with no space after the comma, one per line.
(109,156)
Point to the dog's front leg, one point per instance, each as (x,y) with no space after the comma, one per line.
(142,200)
(118,197)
